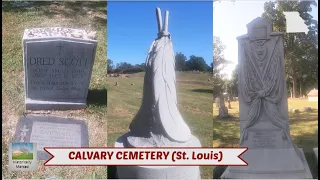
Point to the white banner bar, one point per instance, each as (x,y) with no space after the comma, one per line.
(145,157)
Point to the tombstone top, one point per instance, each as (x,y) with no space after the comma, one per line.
(259,29)
(58,32)
(313,92)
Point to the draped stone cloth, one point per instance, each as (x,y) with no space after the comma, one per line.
(159,121)
(262,90)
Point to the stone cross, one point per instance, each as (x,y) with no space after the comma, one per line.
(60,46)
(23,133)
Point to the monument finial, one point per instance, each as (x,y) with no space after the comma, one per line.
(162,30)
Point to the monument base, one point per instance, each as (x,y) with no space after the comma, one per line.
(270,164)
(57,104)
(157,172)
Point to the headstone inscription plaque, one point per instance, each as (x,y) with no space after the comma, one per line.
(50,131)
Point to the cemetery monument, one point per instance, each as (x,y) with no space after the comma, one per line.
(264,122)
(159,122)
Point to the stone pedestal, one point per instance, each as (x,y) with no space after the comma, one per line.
(270,164)
(157,172)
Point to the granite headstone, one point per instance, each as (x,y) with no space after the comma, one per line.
(57,67)
(50,131)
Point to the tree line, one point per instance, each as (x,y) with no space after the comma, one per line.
(194,63)
(301,51)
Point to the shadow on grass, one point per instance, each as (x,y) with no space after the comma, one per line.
(298,118)
(226,133)
(97,97)
(203,90)
(308,141)
(112,172)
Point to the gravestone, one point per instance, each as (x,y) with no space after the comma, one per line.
(315,150)
(217,101)
(223,110)
(159,123)
(264,122)
(57,67)
(50,131)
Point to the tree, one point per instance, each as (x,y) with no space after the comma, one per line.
(219,63)
(233,83)
(124,65)
(180,61)
(196,63)
(110,66)
(301,50)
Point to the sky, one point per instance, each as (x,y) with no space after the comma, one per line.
(132,26)
(17,146)
(229,22)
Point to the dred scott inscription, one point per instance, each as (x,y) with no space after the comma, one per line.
(57,70)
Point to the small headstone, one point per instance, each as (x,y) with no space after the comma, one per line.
(295,111)
(229,104)
(223,110)
(315,150)
(117,84)
(58,65)
(50,131)
(307,109)
(217,101)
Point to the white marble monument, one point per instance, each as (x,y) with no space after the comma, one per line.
(264,123)
(57,67)
(158,122)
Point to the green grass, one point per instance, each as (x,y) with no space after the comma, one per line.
(194,102)
(22,156)
(303,129)
(82,15)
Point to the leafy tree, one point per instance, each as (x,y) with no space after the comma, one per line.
(124,65)
(219,63)
(180,61)
(233,82)
(110,66)
(301,50)
(196,63)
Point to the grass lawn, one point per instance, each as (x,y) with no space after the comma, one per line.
(194,102)
(82,15)
(303,129)
(23,156)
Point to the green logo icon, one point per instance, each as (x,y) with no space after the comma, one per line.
(22,151)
